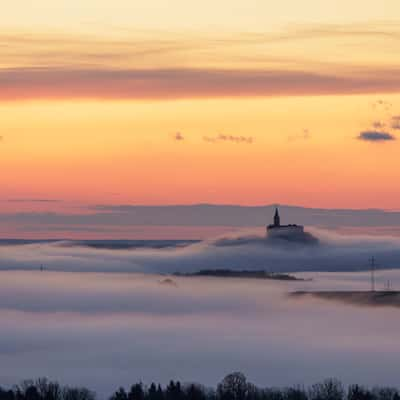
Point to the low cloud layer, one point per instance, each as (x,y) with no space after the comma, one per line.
(247,250)
(108,330)
(82,313)
(376,136)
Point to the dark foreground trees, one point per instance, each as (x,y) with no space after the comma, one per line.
(42,389)
(233,387)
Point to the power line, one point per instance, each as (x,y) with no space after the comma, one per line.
(372,264)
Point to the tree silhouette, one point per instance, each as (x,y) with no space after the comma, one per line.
(330,389)
(233,387)
(136,392)
(357,392)
(194,392)
(120,394)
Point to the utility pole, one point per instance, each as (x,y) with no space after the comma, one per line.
(373,265)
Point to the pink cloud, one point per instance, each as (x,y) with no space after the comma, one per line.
(53,83)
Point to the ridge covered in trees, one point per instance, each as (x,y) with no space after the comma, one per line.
(230,273)
(233,387)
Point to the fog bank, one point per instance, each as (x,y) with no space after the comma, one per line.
(105,330)
(242,250)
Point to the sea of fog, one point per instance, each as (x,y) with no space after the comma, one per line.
(242,250)
(100,314)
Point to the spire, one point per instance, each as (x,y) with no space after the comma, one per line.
(277,218)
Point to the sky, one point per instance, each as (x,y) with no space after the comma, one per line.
(107,105)
(234,102)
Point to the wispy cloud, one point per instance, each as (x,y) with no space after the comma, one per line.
(52,66)
(375,136)
(378,125)
(41,49)
(178,136)
(396,122)
(30,200)
(53,83)
(304,135)
(229,138)
(382,105)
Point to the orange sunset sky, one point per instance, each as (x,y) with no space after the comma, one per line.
(180,102)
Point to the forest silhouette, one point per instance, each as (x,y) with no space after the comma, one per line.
(233,387)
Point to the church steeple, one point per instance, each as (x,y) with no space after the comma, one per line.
(289,232)
(277,218)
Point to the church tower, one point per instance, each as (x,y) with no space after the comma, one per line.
(277,218)
(288,232)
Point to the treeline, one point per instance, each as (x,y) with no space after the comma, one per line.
(42,389)
(233,387)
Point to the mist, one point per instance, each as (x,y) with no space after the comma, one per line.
(104,330)
(241,250)
(104,317)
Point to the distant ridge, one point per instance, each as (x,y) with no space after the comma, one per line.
(120,218)
(229,273)
(239,215)
(389,298)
